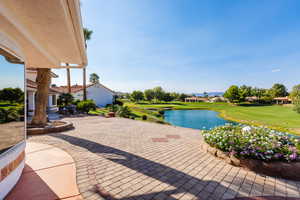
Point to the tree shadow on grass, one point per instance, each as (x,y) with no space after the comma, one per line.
(182,182)
(253,104)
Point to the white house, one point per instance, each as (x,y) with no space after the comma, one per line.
(31,88)
(96,91)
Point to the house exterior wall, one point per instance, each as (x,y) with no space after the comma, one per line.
(78,95)
(99,94)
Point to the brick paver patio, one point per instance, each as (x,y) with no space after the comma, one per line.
(130,159)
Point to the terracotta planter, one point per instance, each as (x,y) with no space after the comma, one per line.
(111,114)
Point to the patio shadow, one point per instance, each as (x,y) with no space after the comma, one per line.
(31,186)
(182,182)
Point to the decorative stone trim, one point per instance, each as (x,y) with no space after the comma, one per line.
(5,171)
(288,170)
(38,131)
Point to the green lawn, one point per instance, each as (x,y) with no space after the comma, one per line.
(276,117)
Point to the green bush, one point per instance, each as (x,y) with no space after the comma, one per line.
(86,106)
(112,108)
(124,111)
(158,115)
(118,102)
(65,99)
(162,112)
(9,115)
(75,102)
(144,117)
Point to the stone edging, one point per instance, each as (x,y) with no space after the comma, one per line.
(38,131)
(276,168)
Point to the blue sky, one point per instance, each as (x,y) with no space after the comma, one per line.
(191,45)
(11,75)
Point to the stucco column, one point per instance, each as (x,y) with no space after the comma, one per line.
(31,102)
(50,101)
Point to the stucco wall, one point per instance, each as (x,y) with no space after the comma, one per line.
(99,94)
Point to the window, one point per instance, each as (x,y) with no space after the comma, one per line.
(54,100)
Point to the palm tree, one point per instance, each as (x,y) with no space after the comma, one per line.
(94,78)
(87,36)
(68,78)
(43,81)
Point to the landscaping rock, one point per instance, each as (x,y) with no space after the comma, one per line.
(212,150)
(235,161)
(222,155)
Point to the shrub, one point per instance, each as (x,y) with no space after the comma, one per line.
(144,117)
(162,112)
(75,102)
(124,111)
(254,142)
(9,115)
(112,108)
(65,99)
(86,106)
(118,102)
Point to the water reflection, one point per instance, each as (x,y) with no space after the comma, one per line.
(11,104)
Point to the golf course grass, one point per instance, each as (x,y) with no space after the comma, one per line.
(277,117)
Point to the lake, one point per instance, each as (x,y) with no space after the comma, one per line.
(197,119)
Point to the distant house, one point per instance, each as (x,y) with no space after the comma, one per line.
(282,100)
(218,99)
(31,88)
(196,99)
(252,99)
(96,91)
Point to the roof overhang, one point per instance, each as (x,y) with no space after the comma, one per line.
(42,34)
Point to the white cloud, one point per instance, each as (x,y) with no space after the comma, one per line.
(276,70)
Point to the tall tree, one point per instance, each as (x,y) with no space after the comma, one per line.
(137,96)
(149,94)
(295,94)
(158,93)
(94,78)
(279,90)
(87,36)
(232,94)
(244,91)
(43,81)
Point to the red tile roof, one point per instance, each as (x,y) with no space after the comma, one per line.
(32,84)
(77,88)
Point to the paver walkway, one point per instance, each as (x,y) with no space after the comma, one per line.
(138,160)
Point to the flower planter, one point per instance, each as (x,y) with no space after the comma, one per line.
(111,114)
(288,170)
